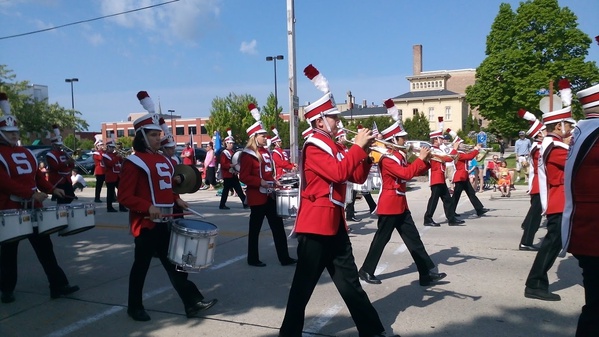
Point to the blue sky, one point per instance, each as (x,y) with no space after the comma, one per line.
(188,52)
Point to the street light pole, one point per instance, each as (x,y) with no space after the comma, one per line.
(71,80)
(274,59)
(172,126)
(351,106)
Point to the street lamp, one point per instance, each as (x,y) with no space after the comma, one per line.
(172,127)
(71,80)
(274,59)
(351,106)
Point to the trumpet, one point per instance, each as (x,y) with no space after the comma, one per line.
(382,143)
(122,153)
(70,158)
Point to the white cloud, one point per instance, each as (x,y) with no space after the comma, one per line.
(95,39)
(249,47)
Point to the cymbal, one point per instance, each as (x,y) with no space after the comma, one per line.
(192,179)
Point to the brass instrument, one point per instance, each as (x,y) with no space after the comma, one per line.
(66,151)
(381,143)
(122,153)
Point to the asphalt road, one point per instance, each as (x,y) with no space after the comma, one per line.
(481,296)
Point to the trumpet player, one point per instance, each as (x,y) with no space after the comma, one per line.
(460,178)
(60,165)
(437,182)
(113,163)
(393,209)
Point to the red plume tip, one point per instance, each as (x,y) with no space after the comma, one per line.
(161,120)
(3,96)
(311,72)
(360,126)
(251,106)
(440,118)
(563,84)
(521,113)
(597,39)
(228,129)
(448,130)
(389,103)
(273,127)
(142,94)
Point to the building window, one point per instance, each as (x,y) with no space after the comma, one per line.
(203,130)
(414,112)
(400,113)
(192,130)
(120,133)
(431,114)
(447,113)
(131,132)
(180,130)
(109,134)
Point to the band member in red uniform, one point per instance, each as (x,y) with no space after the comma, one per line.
(22,185)
(579,224)
(393,209)
(257,172)
(230,179)
(323,241)
(146,190)
(113,163)
(437,182)
(554,151)
(99,168)
(280,157)
(60,165)
(532,221)
(460,178)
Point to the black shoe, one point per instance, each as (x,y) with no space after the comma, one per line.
(431,223)
(98,200)
(123,209)
(457,215)
(289,261)
(194,311)
(111,210)
(246,206)
(368,278)
(63,291)
(540,294)
(7,297)
(257,264)
(482,211)
(530,248)
(353,218)
(138,315)
(372,211)
(456,222)
(223,207)
(431,278)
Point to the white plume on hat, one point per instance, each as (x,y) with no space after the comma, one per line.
(254,111)
(229,132)
(454,135)
(146,101)
(527,115)
(4,105)
(274,130)
(56,130)
(392,109)
(98,140)
(317,78)
(565,92)
(163,126)
(440,119)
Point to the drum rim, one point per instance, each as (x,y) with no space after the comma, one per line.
(290,191)
(180,229)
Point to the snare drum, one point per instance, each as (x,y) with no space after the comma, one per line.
(366,186)
(192,244)
(16,225)
(51,219)
(377,182)
(81,217)
(349,191)
(287,202)
(290,179)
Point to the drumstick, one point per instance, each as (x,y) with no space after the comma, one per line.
(194,212)
(170,215)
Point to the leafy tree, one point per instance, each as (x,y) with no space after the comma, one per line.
(232,112)
(418,127)
(36,117)
(526,49)
(126,142)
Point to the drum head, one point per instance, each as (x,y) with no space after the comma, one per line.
(194,227)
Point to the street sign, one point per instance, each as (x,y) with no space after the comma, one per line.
(295,102)
(481,138)
(542,92)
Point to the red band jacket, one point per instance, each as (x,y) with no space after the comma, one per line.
(281,162)
(253,170)
(99,168)
(59,167)
(461,165)
(113,163)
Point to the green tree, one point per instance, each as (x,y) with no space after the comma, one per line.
(232,112)
(37,117)
(418,127)
(527,49)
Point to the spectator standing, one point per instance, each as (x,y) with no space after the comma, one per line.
(188,155)
(210,167)
(523,146)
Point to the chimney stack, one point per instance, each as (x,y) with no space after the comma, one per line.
(417,55)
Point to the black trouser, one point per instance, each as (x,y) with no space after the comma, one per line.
(99,184)
(439,191)
(78,186)
(588,325)
(268,210)
(404,224)
(228,184)
(350,208)
(111,194)
(44,250)
(210,176)
(550,248)
(156,240)
(532,221)
(460,186)
(315,253)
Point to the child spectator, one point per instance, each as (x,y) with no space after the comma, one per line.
(505,180)
(77,180)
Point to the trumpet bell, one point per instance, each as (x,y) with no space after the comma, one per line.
(192,179)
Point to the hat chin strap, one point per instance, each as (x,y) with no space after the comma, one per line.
(148,147)
(325,122)
(7,140)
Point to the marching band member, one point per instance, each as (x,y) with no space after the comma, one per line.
(553,153)
(99,168)
(113,163)
(533,218)
(257,172)
(321,230)
(437,182)
(230,179)
(60,165)
(23,185)
(280,157)
(146,189)
(393,209)
(579,224)
(460,178)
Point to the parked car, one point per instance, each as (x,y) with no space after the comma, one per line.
(85,163)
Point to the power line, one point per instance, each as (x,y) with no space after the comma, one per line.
(89,20)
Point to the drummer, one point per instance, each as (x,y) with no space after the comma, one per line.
(230,179)
(21,182)
(145,190)
(60,165)
(280,157)
(113,163)
(257,173)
